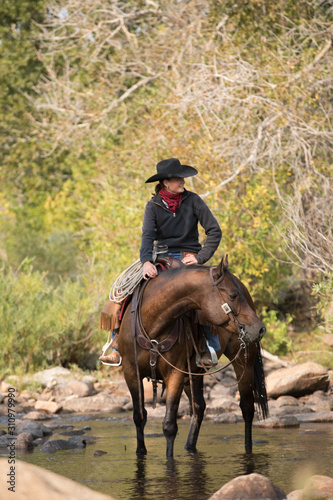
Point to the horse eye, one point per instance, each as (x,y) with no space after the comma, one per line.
(233,296)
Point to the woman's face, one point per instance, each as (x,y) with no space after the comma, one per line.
(174,185)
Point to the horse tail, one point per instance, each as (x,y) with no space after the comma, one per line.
(260,394)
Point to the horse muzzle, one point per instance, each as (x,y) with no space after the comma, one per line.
(253,333)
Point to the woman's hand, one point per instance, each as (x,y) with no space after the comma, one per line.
(149,270)
(189,259)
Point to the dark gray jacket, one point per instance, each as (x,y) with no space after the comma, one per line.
(179,231)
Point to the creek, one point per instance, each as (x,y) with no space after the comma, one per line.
(287,456)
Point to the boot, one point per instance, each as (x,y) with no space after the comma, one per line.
(114,358)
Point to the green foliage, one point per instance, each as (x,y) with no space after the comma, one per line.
(323,291)
(44,324)
(276,340)
(75,150)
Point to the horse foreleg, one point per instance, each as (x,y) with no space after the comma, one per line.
(139,411)
(174,387)
(245,376)
(199,410)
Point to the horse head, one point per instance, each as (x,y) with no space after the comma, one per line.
(226,303)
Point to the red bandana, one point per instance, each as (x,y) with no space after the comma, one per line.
(171,199)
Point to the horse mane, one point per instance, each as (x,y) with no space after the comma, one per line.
(195,267)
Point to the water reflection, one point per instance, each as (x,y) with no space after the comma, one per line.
(140,477)
(179,478)
(250,462)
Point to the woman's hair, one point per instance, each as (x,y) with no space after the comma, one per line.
(159,186)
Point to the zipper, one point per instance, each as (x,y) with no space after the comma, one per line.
(167,209)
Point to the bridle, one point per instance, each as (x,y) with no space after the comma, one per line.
(229,311)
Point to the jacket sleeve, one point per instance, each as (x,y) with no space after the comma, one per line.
(148,234)
(212,230)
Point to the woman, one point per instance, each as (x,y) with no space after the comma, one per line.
(171,218)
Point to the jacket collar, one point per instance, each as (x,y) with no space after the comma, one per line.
(157,198)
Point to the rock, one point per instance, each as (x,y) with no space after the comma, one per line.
(286,401)
(252,486)
(49,406)
(297,381)
(328,339)
(36,483)
(99,453)
(158,412)
(57,374)
(24,441)
(295,495)
(81,389)
(4,386)
(54,424)
(319,417)
(320,401)
(223,404)
(36,415)
(278,422)
(119,387)
(318,488)
(37,430)
(74,432)
(290,410)
(220,390)
(225,418)
(5,439)
(99,402)
(61,444)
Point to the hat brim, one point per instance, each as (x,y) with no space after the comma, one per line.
(187,172)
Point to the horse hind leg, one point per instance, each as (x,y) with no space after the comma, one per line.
(199,410)
(139,411)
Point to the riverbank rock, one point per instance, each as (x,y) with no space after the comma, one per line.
(24,441)
(102,401)
(55,445)
(36,483)
(278,422)
(48,406)
(316,488)
(249,487)
(34,428)
(52,376)
(36,415)
(298,380)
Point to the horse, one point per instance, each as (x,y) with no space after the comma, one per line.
(224,302)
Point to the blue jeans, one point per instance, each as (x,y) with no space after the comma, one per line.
(213,340)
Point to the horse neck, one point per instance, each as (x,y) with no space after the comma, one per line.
(167,300)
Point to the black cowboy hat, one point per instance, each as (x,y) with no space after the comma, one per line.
(171,168)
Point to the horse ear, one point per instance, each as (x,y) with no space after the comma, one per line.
(226,263)
(218,271)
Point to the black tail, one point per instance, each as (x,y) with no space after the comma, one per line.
(260,394)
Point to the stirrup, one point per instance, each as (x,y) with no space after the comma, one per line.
(105,349)
(213,355)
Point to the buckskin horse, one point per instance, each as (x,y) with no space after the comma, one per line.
(150,348)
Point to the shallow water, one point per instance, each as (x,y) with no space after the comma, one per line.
(286,456)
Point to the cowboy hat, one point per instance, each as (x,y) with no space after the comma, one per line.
(171,168)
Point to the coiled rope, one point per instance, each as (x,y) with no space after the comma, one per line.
(126,282)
